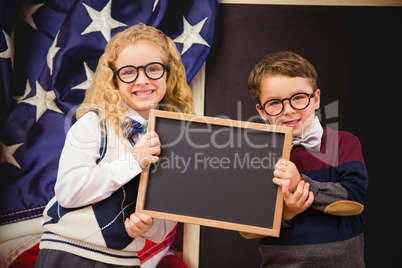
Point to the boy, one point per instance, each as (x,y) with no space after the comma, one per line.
(325,181)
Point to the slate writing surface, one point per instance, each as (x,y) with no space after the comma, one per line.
(215,172)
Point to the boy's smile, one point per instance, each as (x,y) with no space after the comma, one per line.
(292,123)
(281,87)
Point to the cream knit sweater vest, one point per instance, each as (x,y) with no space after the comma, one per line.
(97,231)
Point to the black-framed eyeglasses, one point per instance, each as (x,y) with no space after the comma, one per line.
(298,101)
(153,70)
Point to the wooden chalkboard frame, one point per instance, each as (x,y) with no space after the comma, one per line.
(277,217)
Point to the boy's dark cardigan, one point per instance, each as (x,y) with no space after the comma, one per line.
(338,179)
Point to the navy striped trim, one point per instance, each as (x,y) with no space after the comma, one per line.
(132,142)
(90,249)
(103,145)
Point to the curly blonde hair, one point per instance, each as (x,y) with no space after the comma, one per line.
(103,93)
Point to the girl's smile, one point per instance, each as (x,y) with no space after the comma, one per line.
(143,93)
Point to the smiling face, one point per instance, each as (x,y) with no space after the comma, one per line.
(144,92)
(281,87)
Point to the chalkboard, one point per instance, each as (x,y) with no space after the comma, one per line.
(215,172)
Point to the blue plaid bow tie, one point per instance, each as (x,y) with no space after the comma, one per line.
(132,127)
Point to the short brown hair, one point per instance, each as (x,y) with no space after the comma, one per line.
(285,63)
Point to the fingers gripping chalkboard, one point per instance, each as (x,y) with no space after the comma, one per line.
(215,172)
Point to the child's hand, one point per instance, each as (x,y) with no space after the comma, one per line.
(138,224)
(147,149)
(286,170)
(297,202)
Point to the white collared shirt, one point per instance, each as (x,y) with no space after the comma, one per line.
(80,181)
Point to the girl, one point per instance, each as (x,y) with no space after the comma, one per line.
(91,221)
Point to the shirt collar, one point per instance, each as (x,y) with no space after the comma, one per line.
(133,114)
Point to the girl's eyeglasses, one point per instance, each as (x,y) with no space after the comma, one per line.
(153,70)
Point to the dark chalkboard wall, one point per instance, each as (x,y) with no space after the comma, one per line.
(357,52)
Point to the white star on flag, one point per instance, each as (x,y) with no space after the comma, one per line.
(28,89)
(28,11)
(89,73)
(155,4)
(52,52)
(8,154)
(9,52)
(43,100)
(102,21)
(191,35)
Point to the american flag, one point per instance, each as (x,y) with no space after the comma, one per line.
(49,51)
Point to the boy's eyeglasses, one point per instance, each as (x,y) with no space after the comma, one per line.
(153,70)
(298,101)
